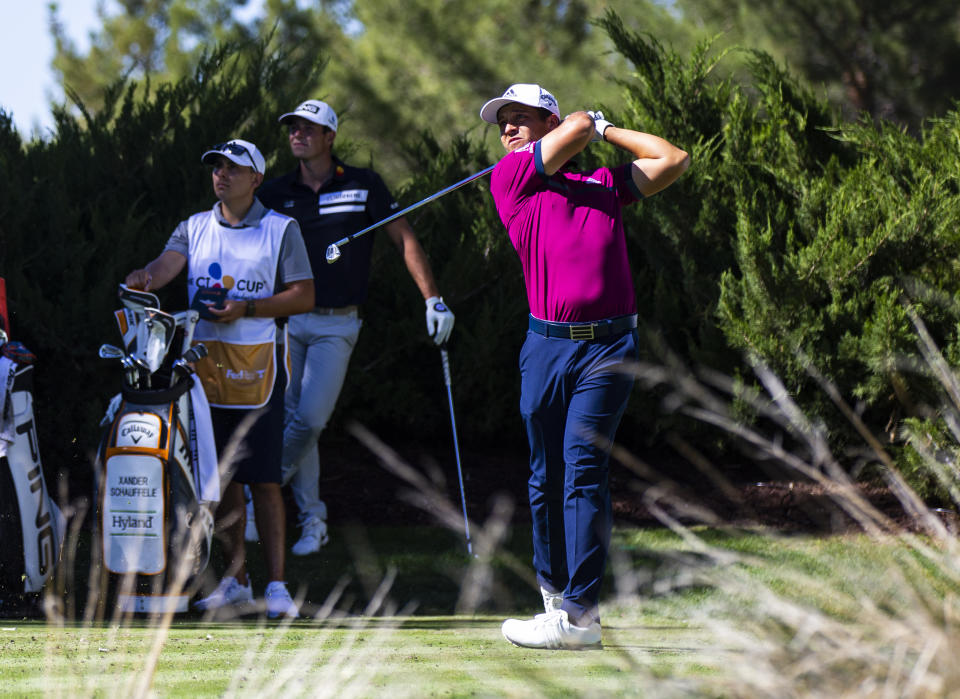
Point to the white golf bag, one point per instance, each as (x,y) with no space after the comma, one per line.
(157,467)
(32,527)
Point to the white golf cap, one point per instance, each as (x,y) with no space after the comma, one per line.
(313,110)
(239,151)
(529,94)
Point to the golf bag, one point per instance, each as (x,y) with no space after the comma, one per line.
(157,467)
(31,525)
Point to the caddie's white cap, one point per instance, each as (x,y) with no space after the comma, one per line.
(239,151)
(529,94)
(313,110)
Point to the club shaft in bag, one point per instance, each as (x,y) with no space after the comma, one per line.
(456,446)
(333,250)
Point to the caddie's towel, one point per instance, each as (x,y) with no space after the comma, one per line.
(8,422)
(205,457)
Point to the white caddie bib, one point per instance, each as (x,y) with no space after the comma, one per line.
(240,368)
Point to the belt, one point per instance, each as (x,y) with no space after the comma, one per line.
(584,331)
(341,311)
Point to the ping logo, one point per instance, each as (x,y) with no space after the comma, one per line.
(43,521)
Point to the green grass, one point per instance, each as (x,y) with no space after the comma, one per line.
(709,613)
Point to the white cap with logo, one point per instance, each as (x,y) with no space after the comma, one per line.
(313,110)
(529,94)
(239,151)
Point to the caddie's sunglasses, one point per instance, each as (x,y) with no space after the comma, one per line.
(235,149)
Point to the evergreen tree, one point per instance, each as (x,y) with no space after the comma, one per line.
(396,66)
(893,60)
(157,39)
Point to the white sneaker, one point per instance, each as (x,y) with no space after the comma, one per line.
(551,600)
(229,591)
(279,602)
(250,532)
(313,537)
(551,630)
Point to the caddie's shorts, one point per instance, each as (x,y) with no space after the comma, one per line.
(256,455)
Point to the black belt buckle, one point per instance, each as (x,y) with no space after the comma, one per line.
(583,332)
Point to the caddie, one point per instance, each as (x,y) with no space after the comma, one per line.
(258,257)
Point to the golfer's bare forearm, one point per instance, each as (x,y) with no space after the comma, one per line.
(658,163)
(414,257)
(569,138)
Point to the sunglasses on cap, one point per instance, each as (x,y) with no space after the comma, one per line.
(235,149)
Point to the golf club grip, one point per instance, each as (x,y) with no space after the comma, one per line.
(446,367)
(436,195)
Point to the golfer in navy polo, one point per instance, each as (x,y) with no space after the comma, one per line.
(567,229)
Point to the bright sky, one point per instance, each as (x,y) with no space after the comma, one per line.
(26,50)
(27,85)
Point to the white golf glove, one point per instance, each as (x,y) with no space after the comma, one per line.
(439,320)
(599,124)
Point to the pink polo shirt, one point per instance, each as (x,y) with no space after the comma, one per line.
(568,231)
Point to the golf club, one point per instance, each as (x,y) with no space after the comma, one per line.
(333,250)
(456,446)
(182,367)
(143,370)
(188,321)
(111,352)
(160,331)
(130,371)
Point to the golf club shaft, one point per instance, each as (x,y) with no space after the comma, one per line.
(393,217)
(456,446)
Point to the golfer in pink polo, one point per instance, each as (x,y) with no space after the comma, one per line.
(567,229)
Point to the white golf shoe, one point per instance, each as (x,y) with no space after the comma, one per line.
(250,532)
(551,630)
(279,602)
(228,592)
(551,600)
(313,537)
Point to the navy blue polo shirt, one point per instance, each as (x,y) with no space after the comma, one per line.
(351,200)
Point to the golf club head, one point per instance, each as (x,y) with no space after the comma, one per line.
(333,253)
(137,300)
(188,321)
(161,328)
(195,353)
(111,352)
(127,322)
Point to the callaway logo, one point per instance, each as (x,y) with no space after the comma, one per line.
(135,431)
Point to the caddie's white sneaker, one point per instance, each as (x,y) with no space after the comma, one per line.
(551,600)
(551,630)
(229,591)
(279,602)
(313,537)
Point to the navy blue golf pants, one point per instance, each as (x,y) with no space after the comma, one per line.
(572,397)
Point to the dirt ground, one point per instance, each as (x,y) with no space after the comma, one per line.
(356,486)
